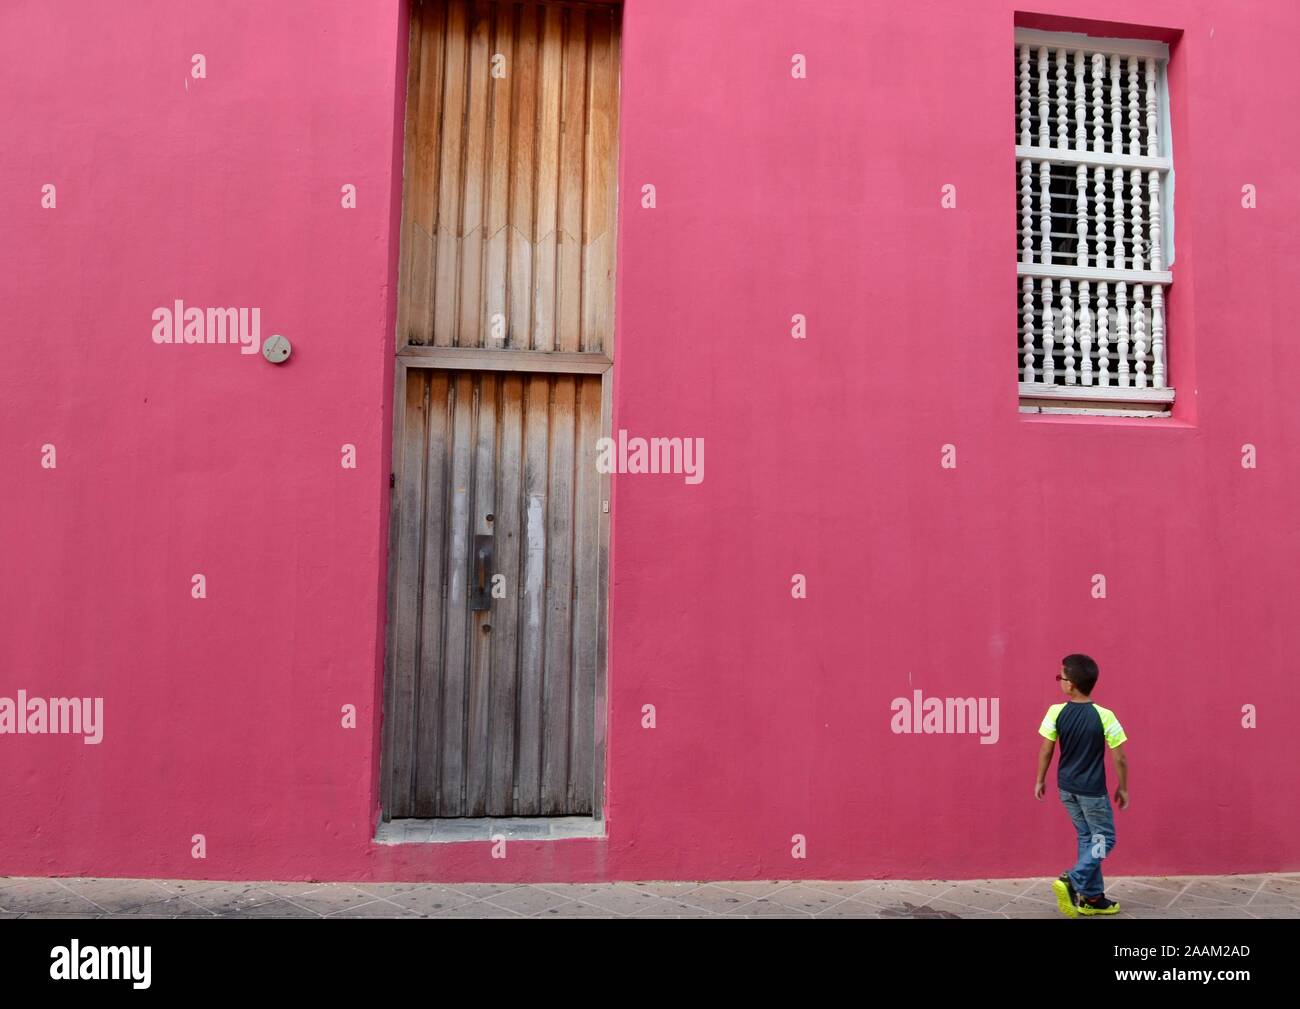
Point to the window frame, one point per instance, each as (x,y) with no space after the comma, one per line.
(1035,272)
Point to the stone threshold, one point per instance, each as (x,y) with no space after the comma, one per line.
(515,828)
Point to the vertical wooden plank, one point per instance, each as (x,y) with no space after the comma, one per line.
(586,596)
(406,603)
(548,168)
(509,532)
(572,173)
(599,725)
(600,190)
(482,640)
(428,671)
(456,623)
(532,603)
(557,689)
(497,238)
(450,175)
(424,111)
(523,171)
(478,90)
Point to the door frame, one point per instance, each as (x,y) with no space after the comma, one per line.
(529,362)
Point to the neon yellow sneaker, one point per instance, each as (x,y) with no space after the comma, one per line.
(1098,905)
(1066,898)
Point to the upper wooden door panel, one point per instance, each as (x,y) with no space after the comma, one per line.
(509,209)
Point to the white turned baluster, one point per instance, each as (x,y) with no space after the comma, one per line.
(1085,332)
(1026,135)
(1026,211)
(1027,315)
(1139,337)
(1049,335)
(1121,324)
(1154,212)
(1067,331)
(1081,253)
(1157,336)
(1080,104)
(1062,104)
(1044,102)
(1098,104)
(1134,129)
(1157,253)
(1117,217)
(1116,109)
(1099,202)
(1045,213)
(1081,218)
(1135,194)
(1103,307)
(1103,329)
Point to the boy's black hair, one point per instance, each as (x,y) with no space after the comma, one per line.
(1082,671)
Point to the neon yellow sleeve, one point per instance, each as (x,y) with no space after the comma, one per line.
(1110,726)
(1048,729)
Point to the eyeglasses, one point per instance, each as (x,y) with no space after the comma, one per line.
(1060,677)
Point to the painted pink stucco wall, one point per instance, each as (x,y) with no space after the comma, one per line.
(775,196)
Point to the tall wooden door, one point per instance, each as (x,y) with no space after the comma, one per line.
(495,670)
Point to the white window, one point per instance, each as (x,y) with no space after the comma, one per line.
(1095,184)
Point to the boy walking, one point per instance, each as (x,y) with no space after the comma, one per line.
(1084,730)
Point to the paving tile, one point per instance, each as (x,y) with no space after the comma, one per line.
(377,908)
(884,893)
(574,909)
(850,909)
(976,898)
(274,908)
(1025,907)
(292,890)
(526,900)
(716,899)
(623,899)
(428,900)
(1274,911)
(670,889)
(1015,887)
(1220,912)
(331,898)
(135,917)
(755,888)
(801,897)
(186,887)
(765,908)
(1276,889)
(912,909)
(1146,912)
(231,898)
(168,907)
(62,914)
(477,891)
(1174,884)
(117,896)
(478,909)
(1134,894)
(47,895)
(1220,890)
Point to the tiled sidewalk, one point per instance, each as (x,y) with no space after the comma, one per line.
(1266,896)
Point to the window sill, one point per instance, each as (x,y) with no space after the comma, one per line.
(1100,401)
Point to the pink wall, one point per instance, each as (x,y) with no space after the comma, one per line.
(775,196)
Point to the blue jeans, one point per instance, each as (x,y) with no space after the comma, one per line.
(1095,825)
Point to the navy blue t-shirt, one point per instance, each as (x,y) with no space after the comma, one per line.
(1084,730)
